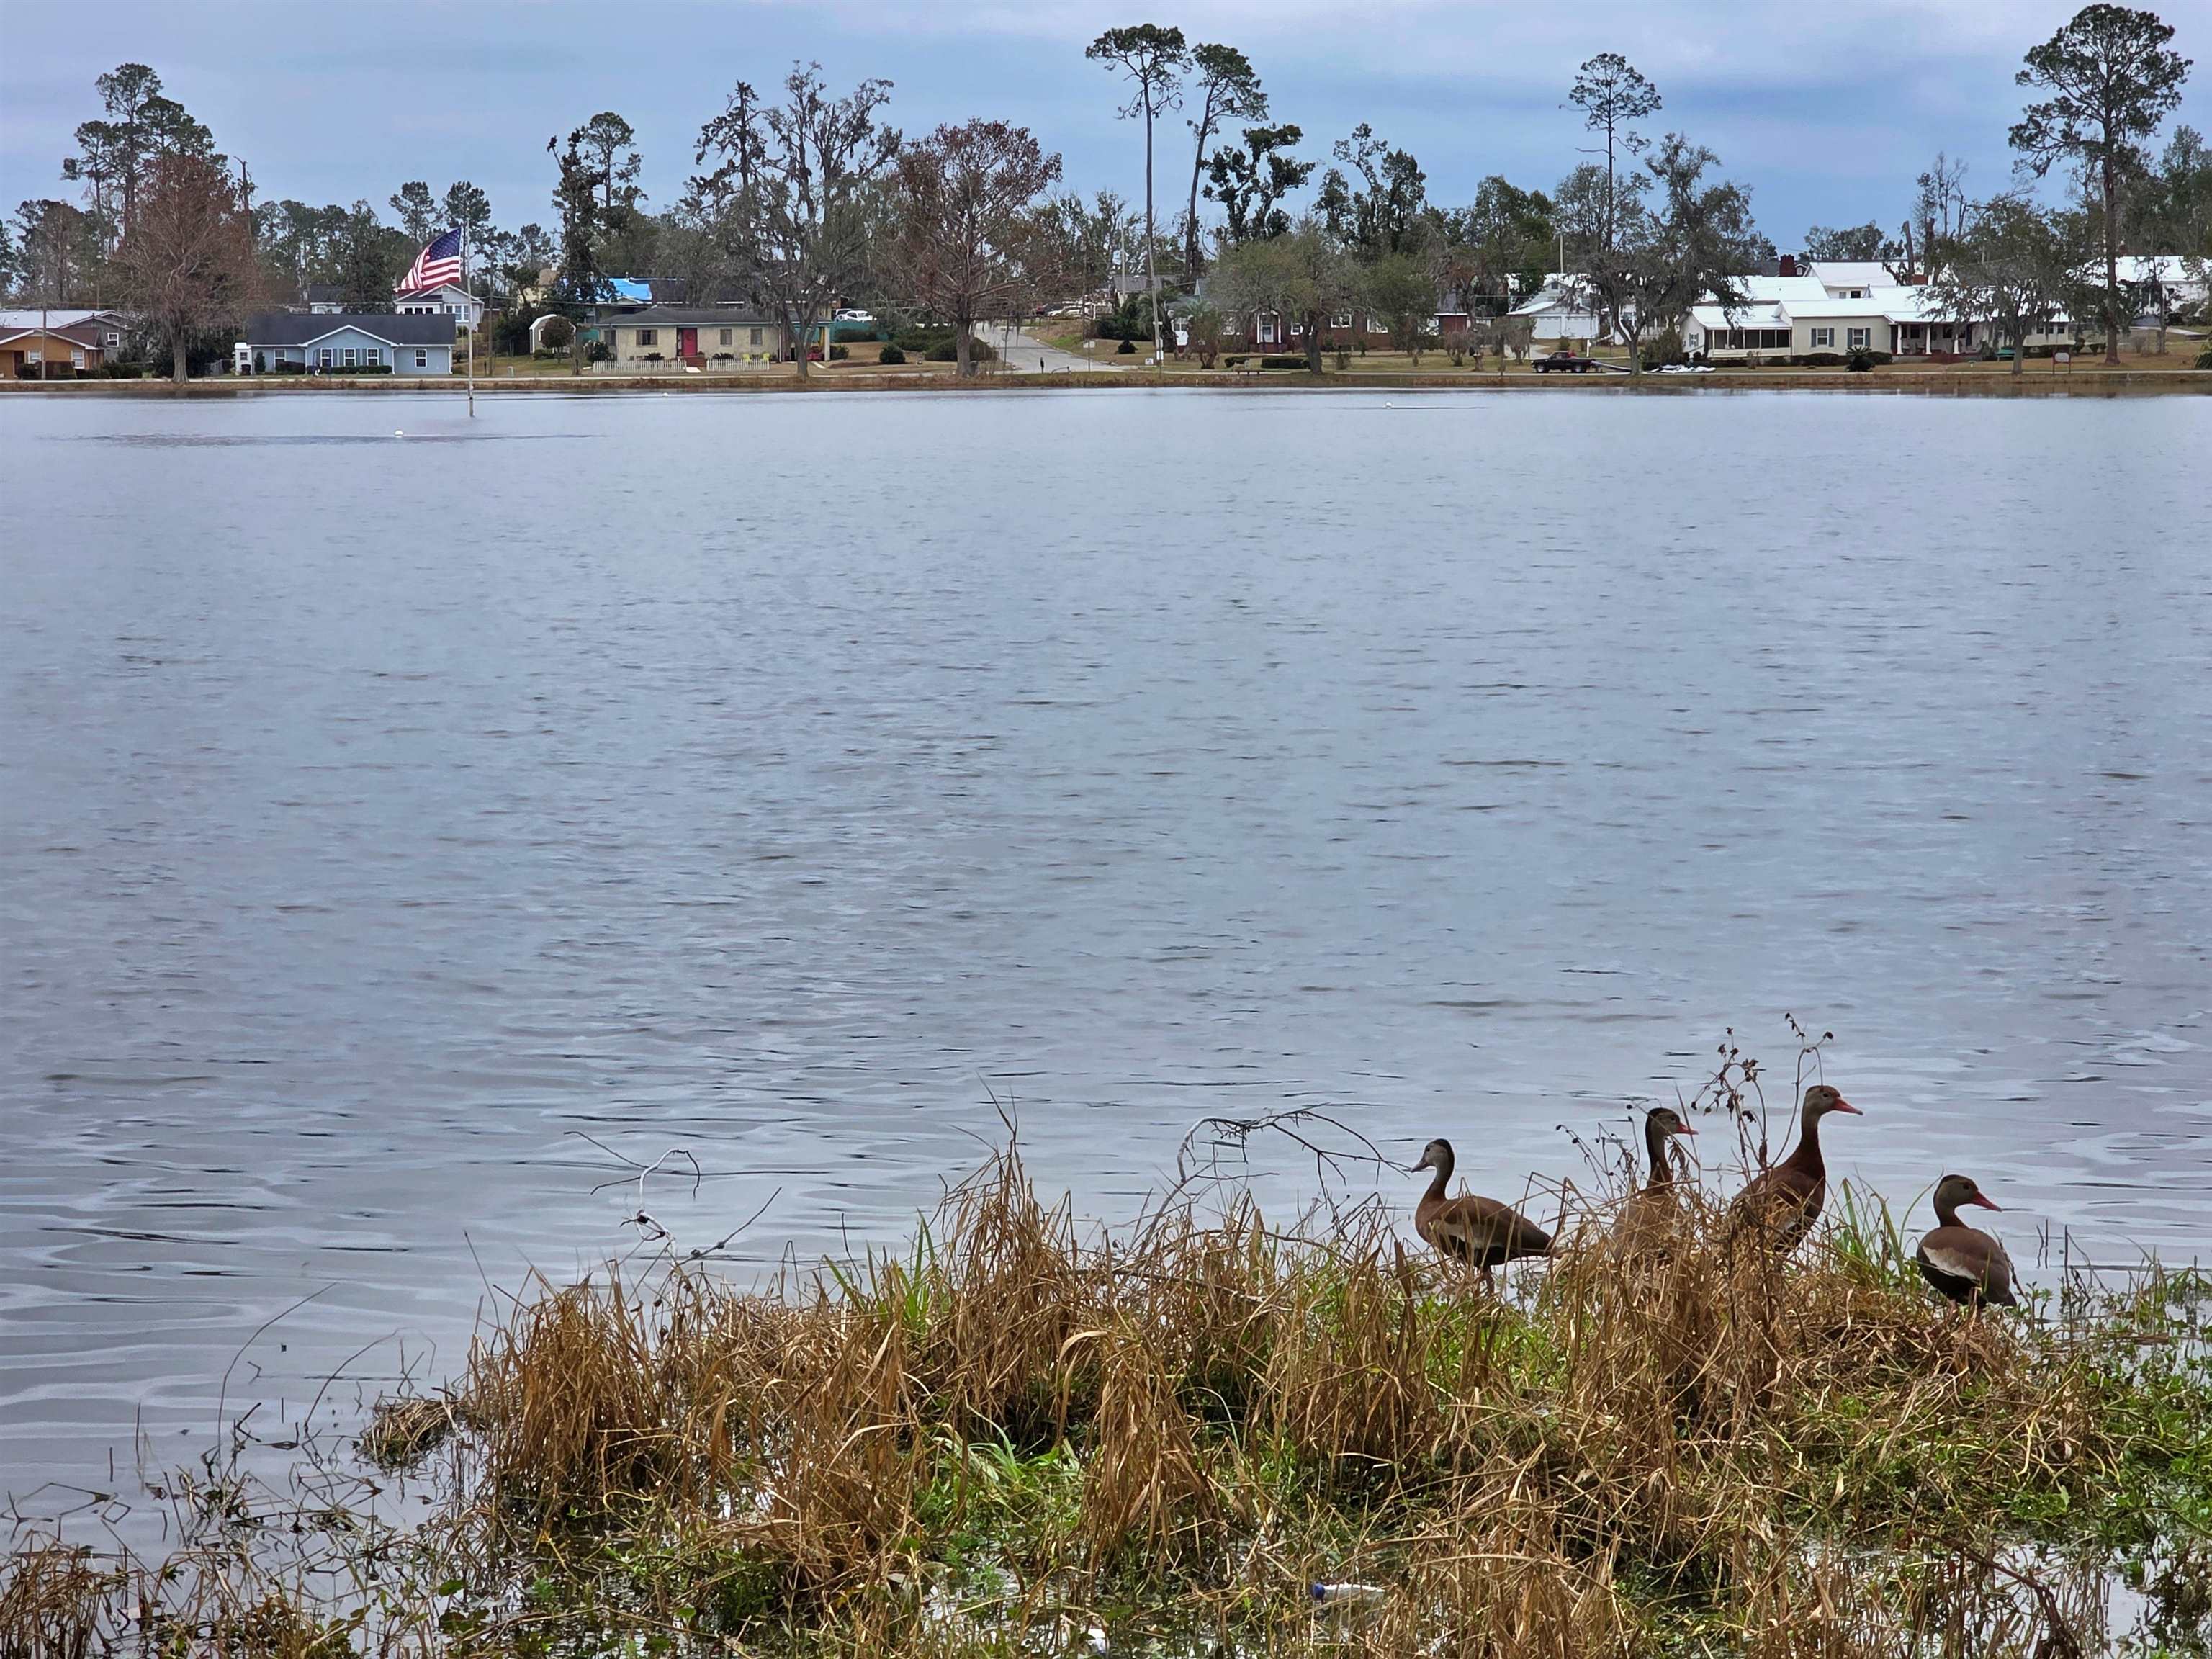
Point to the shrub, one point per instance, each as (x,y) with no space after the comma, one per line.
(1667,350)
(556,336)
(1820,360)
(651,357)
(724,357)
(890,354)
(122,371)
(1127,348)
(947,352)
(1282,360)
(597,352)
(840,354)
(2204,358)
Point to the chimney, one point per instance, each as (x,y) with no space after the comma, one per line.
(1788,266)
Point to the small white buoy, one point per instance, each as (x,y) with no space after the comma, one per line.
(396,434)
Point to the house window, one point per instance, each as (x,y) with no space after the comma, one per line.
(647,336)
(1342,319)
(373,357)
(1859,337)
(1266,330)
(323,357)
(1823,337)
(755,339)
(728,335)
(114,339)
(1376,326)
(348,357)
(422,358)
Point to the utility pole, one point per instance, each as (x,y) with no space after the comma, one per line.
(468,314)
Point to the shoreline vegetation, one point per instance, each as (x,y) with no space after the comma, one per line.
(1930,383)
(1204,1434)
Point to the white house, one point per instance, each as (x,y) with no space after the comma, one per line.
(337,343)
(2183,283)
(1798,317)
(1852,279)
(447,299)
(1560,309)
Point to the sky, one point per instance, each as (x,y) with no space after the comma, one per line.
(1828,109)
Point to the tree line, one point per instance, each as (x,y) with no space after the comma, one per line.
(804,198)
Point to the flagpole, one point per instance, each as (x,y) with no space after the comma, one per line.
(468,300)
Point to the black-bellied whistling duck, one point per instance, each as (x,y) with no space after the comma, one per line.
(1965,1263)
(1480,1231)
(1661,1124)
(1782,1204)
(1643,1219)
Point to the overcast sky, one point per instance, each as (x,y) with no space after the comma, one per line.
(1826,108)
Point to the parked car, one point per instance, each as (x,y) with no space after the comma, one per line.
(1565,363)
(854,316)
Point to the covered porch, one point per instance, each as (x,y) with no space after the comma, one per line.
(1933,338)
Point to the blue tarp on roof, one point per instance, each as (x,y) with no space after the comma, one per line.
(630,290)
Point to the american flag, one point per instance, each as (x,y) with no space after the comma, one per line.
(439,262)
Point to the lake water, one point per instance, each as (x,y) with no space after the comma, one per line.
(785,778)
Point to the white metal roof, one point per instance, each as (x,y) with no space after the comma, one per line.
(1853,273)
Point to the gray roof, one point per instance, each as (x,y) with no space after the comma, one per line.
(691,316)
(299,328)
(325,294)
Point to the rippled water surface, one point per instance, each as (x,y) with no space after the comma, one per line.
(785,778)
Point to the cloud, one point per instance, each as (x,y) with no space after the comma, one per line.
(1827,111)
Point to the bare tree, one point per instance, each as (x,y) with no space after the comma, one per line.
(1938,218)
(1090,237)
(189,254)
(968,244)
(2110,79)
(1154,59)
(786,199)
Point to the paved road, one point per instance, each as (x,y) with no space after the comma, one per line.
(1026,351)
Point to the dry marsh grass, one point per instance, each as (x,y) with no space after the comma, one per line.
(1022,1430)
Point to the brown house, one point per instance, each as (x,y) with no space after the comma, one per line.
(60,352)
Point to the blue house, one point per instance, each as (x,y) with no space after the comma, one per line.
(339,343)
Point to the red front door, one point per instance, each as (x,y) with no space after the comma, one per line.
(687,342)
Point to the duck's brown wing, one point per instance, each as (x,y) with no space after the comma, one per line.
(1970,1257)
(1780,1205)
(1484,1232)
(1647,1222)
